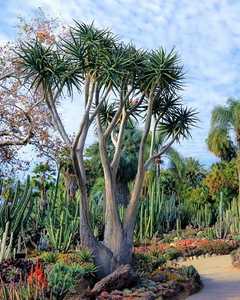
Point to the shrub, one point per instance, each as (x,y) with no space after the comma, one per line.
(147,263)
(63,277)
(171,253)
(190,272)
(49,257)
(85,255)
(61,280)
(235,255)
(215,247)
(13,270)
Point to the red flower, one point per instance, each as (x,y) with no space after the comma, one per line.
(37,276)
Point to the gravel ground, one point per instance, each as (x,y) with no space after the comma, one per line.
(221,281)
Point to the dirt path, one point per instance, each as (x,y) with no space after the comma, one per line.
(221,281)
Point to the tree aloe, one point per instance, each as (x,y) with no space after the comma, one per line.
(118,83)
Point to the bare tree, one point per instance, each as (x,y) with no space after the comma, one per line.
(24,117)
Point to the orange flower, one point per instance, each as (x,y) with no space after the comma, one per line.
(37,276)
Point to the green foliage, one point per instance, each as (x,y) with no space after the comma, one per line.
(21,292)
(62,220)
(190,272)
(197,196)
(42,177)
(147,263)
(207,233)
(220,144)
(159,213)
(15,214)
(150,212)
(224,119)
(85,255)
(49,257)
(171,253)
(223,176)
(63,277)
(199,215)
(16,210)
(182,176)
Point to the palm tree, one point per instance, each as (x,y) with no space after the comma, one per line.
(220,143)
(224,136)
(185,171)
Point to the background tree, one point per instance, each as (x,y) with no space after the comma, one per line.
(223,177)
(185,173)
(43,179)
(224,136)
(24,118)
(110,74)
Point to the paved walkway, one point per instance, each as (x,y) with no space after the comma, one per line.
(221,281)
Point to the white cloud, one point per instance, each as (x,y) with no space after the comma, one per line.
(206,34)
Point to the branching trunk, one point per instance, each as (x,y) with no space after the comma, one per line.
(118,237)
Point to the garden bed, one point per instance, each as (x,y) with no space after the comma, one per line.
(71,275)
(188,248)
(164,283)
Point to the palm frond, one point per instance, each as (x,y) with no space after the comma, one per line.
(221,117)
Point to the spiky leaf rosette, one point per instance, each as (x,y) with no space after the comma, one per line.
(45,68)
(162,71)
(178,123)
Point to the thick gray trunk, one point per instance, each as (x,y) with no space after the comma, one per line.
(113,227)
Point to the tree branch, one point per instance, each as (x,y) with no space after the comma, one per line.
(19,141)
(118,145)
(160,153)
(131,211)
(117,114)
(5,76)
(50,100)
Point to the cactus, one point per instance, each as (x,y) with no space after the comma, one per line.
(223,223)
(61,222)
(14,216)
(234,214)
(17,211)
(157,213)
(6,244)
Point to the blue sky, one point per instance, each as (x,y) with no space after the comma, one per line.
(205,33)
